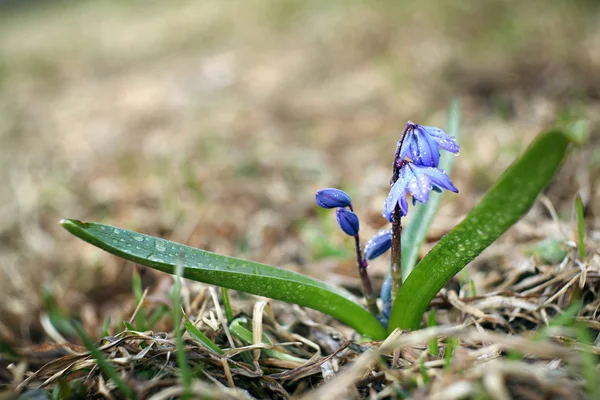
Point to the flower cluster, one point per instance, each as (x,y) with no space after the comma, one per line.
(416,162)
(419,175)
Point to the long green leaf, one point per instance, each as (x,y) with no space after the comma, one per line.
(511,197)
(415,232)
(229,272)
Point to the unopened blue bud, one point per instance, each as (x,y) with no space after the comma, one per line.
(347,220)
(378,245)
(332,198)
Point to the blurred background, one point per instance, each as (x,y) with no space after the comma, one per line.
(213,123)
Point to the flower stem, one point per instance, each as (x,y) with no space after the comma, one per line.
(396,260)
(362,264)
(396,257)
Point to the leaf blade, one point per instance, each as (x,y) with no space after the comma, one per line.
(480,228)
(229,272)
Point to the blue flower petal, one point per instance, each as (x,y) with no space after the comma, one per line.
(397,191)
(437,177)
(423,150)
(443,140)
(403,206)
(419,184)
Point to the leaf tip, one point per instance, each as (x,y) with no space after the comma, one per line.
(72,224)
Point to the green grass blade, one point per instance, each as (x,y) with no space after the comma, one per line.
(451,345)
(104,332)
(227,305)
(229,272)
(589,362)
(434,349)
(129,327)
(199,336)
(580,226)
(157,315)
(511,197)
(415,232)
(138,291)
(184,366)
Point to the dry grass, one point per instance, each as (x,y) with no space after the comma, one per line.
(212,123)
(314,359)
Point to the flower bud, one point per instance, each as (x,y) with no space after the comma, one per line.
(347,220)
(332,198)
(378,245)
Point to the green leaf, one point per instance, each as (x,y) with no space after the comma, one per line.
(511,197)
(415,231)
(229,272)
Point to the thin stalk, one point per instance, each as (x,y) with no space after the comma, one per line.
(362,264)
(396,256)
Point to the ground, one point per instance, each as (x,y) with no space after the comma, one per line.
(213,123)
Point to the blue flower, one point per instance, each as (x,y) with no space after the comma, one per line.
(422,144)
(332,198)
(347,220)
(378,245)
(418,180)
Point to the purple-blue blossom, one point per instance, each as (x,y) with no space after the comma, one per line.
(417,180)
(422,143)
(378,245)
(332,198)
(348,221)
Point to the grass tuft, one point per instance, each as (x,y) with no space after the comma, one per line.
(104,365)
